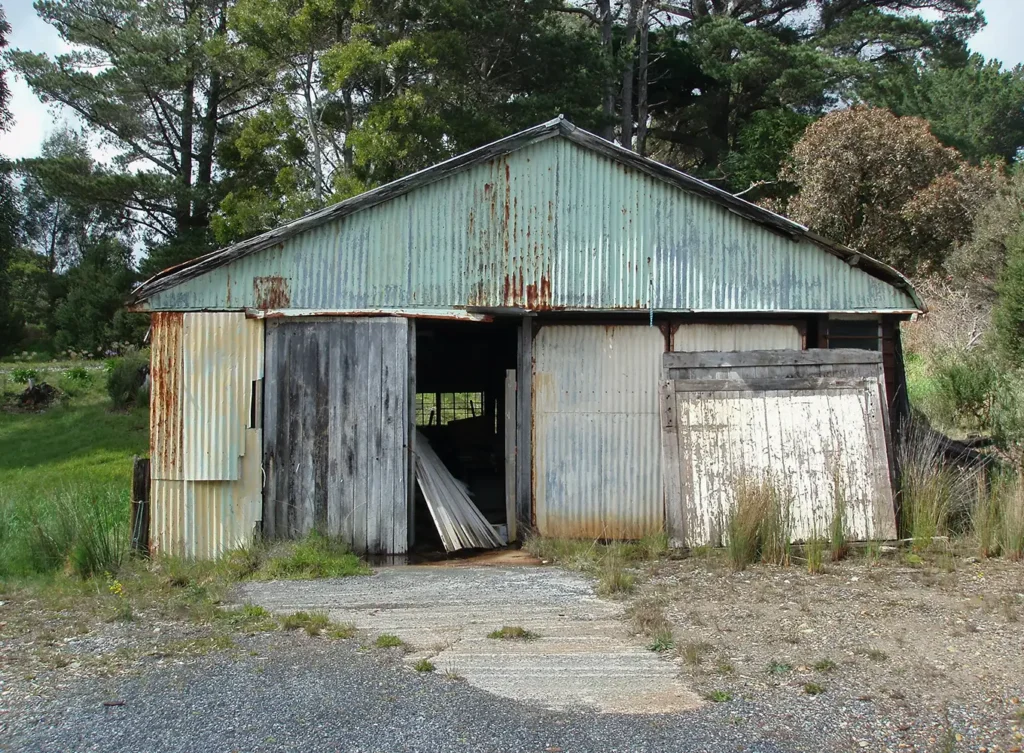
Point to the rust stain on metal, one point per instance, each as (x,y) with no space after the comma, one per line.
(539,297)
(271,292)
(167,433)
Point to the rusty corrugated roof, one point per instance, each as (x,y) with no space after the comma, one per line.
(520,285)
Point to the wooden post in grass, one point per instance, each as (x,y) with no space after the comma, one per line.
(140,505)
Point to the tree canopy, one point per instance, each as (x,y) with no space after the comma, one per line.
(228,117)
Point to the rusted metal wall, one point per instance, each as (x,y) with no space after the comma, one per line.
(206,455)
(337,426)
(596,442)
(551,226)
(811,423)
(166,376)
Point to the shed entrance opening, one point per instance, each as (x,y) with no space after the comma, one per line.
(460,409)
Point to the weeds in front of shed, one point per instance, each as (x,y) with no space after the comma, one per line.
(387,640)
(814,551)
(653,546)
(424,665)
(314,623)
(927,487)
(813,688)
(341,630)
(693,653)
(316,556)
(775,667)
(647,615)
(513,633)
(824,665)
(718,696)
(839,547)
(758,527)
(662,641)
(613,579)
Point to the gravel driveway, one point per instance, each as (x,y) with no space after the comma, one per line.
(290,692)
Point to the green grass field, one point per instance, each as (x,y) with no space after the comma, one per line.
(62,467)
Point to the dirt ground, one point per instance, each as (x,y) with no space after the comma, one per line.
(937,647)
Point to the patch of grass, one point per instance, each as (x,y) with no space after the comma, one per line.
(693,653)
(718,696)
(825,665)
(341,631)
(814,550)
(986,519)
(316,556)
(838,545)
(314,623)
(424,665)
(613,579)
(249,618)
(873,654)
(775,667)
(1011,542)
(513,633)
(724,668)
(387,640)
(653,546)
(590,555)
(647,616)
(813,688)
(759,525)
(927,487)
(662,641)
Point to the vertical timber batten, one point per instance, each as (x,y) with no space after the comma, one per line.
(524,430)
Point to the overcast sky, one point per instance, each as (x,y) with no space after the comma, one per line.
(1001,39)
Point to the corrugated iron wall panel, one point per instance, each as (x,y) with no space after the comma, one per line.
(165,416)
(204,365)
(596,436)
(552,226)
(735,337)
(167,516)
(223,356)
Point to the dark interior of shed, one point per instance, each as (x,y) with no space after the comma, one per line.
(460,409)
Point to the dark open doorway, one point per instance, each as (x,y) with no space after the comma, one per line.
(460,408)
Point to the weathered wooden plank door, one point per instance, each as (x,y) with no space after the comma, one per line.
(812,423)
(337,430)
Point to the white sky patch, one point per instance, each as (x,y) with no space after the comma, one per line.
(1000,39)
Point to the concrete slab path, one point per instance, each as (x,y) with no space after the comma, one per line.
(583,656)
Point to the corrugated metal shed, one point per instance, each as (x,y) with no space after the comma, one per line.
(555,223)
(206,493)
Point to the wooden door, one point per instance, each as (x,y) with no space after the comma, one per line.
(337,430)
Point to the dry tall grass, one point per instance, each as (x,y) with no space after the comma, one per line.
(927,487)
(759,526)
